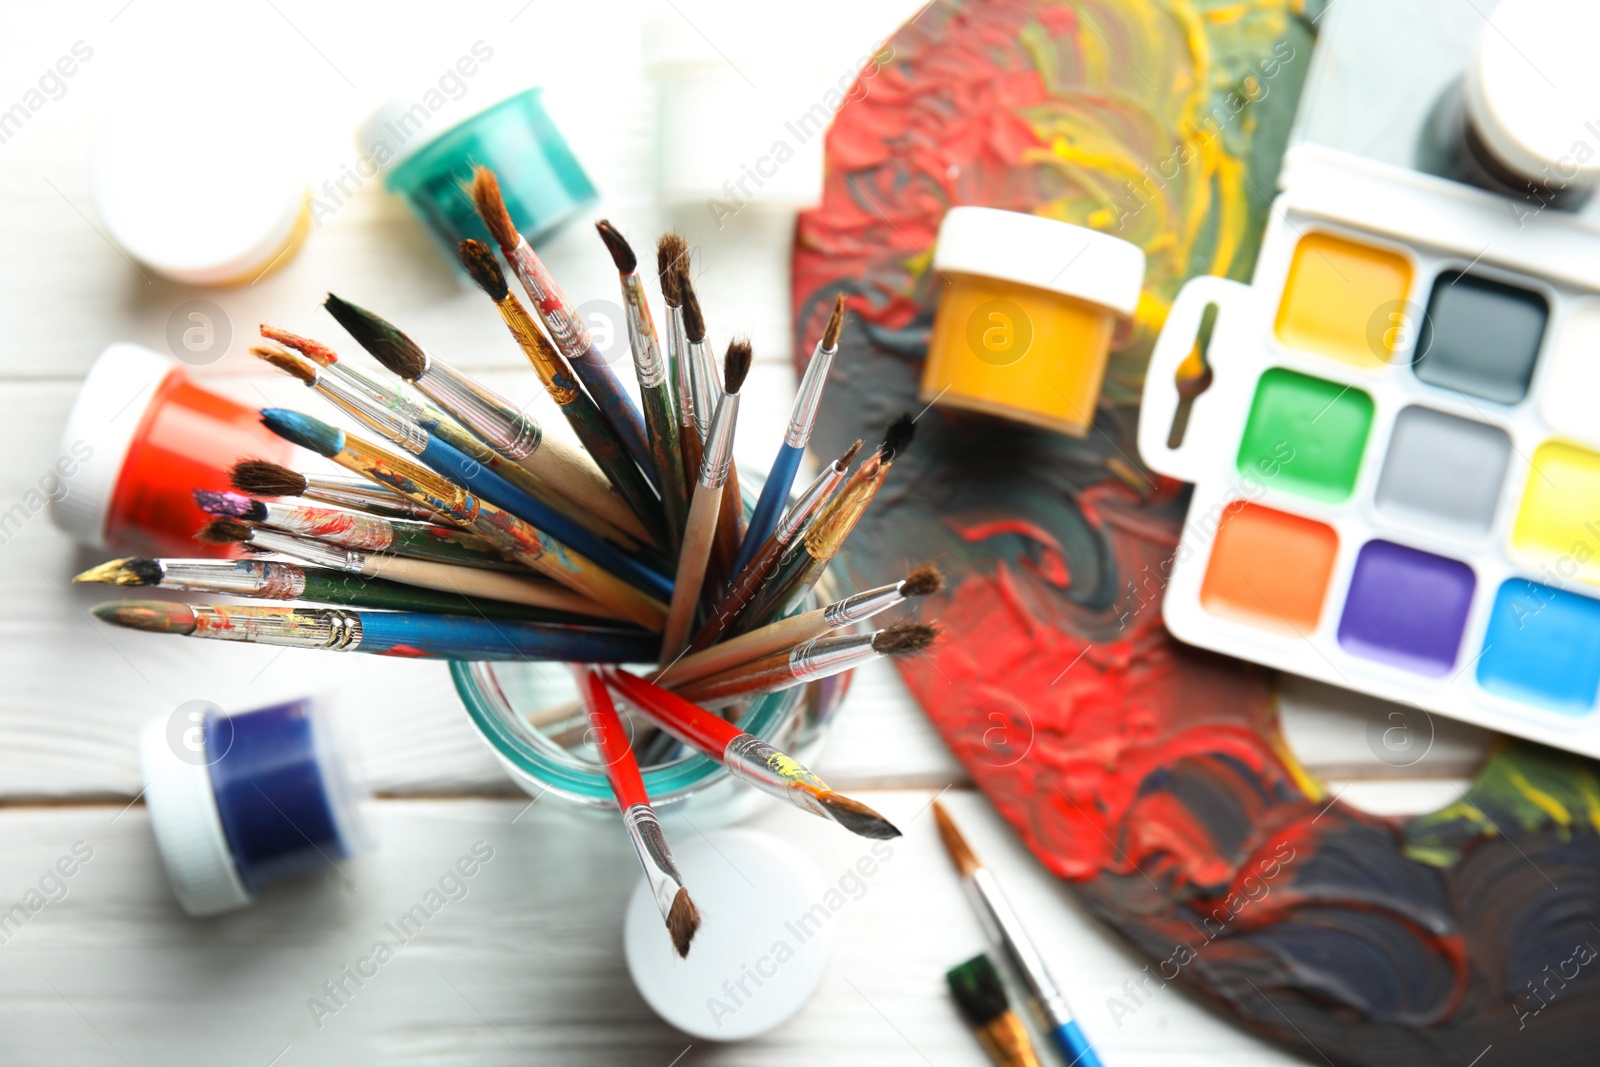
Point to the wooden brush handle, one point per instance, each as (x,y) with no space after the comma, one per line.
(490,585)
(763,675)
(611,738)
(780,636)
(695,555)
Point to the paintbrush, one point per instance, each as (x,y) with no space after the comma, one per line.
(478,479)
(560,319)
(394,395)
(707,502)
(804,562)
(708,393)
(748,757)
(1011,941)
(798,629)
(519,588)
(638,817)
(748,583)
(508,534)
(264,579)
(981,998)
(650,367)
(403,634)
(491,417)
(821,657)
(355,529)
(802,420)
(627,487)
(672,253)
(259,477)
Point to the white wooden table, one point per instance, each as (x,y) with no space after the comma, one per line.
(527,968)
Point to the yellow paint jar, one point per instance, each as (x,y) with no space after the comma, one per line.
(1027,316)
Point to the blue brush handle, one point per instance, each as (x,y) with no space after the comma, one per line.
(769,509)
(617,407)
(470,474)
(416,633)
(1073,1046)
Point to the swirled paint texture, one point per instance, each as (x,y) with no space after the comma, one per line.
(1149,775)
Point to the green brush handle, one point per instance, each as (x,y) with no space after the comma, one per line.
(325,586)
(426,541)
(662,420)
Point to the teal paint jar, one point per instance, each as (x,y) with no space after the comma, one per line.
(542,182)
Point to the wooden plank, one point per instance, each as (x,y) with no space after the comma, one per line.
(525,966)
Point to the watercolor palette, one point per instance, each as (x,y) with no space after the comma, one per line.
(1397,464)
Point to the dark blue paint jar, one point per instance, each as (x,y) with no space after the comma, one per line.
(238,802)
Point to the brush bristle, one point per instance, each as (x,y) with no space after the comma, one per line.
(303,430)
(290,365)
(736,365)
(230,505)
(898,640)
(478,259)
(621,252)
(830,336)
(388,345)
(135,570)
(898,436)
(682,922)
(259,477)
(492,208)
(856,816)
(979,993)
(694,323)
(315,351)
(849,454)
(960,852)
(224,532)
(153,616)
(670,251)
(924,581)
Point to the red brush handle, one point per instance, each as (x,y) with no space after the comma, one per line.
(688,722)
(616,753)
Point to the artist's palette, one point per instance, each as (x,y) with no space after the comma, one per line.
(1397,466)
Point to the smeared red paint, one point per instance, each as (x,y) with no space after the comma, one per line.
(404,652)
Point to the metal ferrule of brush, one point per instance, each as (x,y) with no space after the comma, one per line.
(703,384)
(395,395)
(488,415)
(271,579)
(1007,934)
(566,329)
(651,845)
(318,553)
(862,606)
(389,422)
(682,365)
(328,628)
(370,533)
(718,457)
(826,656)
(648,364)
(808,399)
(807,504)
(757,763)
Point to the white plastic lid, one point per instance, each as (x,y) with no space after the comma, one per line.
(186,191)
(111,403)
(1029,250)
(1532,91)
(752,890)
(401,126)
(188,829)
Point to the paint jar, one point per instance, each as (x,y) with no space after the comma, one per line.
(141,436)
(429,161)
(740,124)
(238,802)
(530,716)
(1524,119)
(179,185)
(1028,316)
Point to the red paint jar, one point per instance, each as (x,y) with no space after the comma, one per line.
(141,436)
